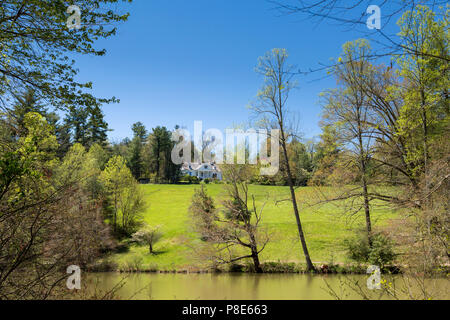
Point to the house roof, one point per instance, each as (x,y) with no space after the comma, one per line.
(197,166)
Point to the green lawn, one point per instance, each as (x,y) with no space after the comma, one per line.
(325,226)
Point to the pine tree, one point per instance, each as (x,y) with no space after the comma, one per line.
(97,127)
(136,162)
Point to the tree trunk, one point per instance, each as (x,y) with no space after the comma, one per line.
(150,247)
(254,249)
(367,212)
(309,264)
(256,262)
(363,171)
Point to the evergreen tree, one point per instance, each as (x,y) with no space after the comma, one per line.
(136,161)
(97,127)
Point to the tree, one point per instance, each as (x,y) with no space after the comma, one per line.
(87,125)
(148,236)
(36,43)
(272,108)
(136,161)
(124,194)
(76,120)
(237,226)
(160,149)
(139,131)
(347,109)
(97,127)
(159,143)
(425,93)
(300,162)
(25,103)
(327,156)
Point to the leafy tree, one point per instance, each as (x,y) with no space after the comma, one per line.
(300,161)
(327,156)
(148,236)
(46,222)
(425,108)
(36,43)
(124,194)
(100,155)
(347,109)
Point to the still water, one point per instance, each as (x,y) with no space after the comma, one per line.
(229,286)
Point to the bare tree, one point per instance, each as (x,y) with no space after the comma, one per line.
(272,110)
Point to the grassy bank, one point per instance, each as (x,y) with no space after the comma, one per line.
(325,226)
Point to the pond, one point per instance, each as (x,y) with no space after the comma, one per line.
(231,286)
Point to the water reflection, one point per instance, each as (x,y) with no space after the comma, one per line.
(225,286)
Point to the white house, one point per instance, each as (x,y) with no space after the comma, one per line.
(202,170)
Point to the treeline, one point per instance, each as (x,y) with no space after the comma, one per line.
(147,154)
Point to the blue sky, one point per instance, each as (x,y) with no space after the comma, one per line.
(178,61)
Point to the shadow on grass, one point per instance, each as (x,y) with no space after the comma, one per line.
(158,252)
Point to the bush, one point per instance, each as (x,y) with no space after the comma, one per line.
(103,266)
(381,253)
(235,267)
(279,267)
(132,264)
(194,180)
(185,179)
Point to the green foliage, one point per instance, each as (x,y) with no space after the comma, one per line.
(424,114)
(124,195)
(380,253)
(35,44)
(190,179)
(87,126)
(159,150)
(148,236)
(136,159)
(203,211)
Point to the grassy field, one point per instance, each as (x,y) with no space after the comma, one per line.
(325,226)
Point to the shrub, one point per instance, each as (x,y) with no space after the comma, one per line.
(235,267)
(194,180)
(132,264)
(279,267)
(381,253)
(105,265)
